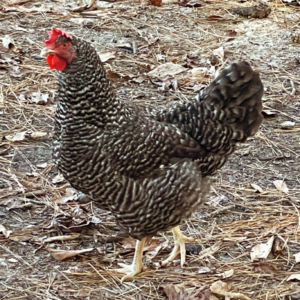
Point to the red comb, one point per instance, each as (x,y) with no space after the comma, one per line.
(53,35)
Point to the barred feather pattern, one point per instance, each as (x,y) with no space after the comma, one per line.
(148,169)
(228,112)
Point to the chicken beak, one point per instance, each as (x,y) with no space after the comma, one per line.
(45,52)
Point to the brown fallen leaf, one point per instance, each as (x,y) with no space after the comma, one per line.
(105,56)
(4,231)
(156,2)
(261,250)
(58,178)
(194,3)
(152,252)
(257,187)
(281,186)
(90,6)
(221,288)
(60,254)
(162,71)
(287,125)
(38,134)
(17,2)
(226,274)
(70,195)
(219,52)
(294,276)
(269,113)
(181,293)
(17,137)
(297,257)
(39,98)
(204,270)
(199,72)
(10,44)
(231,33)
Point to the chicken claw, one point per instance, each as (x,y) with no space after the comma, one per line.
(180,239)
(137,265)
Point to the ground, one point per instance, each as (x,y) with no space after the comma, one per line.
(255,199)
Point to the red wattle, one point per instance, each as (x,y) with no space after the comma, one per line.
(56,62)
(49,60)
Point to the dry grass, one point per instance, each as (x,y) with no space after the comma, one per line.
(236,219)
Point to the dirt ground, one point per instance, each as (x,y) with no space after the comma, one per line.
(253,206)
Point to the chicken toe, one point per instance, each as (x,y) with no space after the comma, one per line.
(137,265)
(180,239)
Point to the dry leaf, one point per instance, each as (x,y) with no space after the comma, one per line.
(65,254)
(226,274)
(222,289)
(199,72)
(194,3)
(204,270)
(152,253)
(269,113)
(156,2)
(169,83)
(262,250)
(281,186)
(9,43)
(17,2)
(70,195)
(215,201)
(139,79)
(167,69)
(58,178)
(17,137)
(38,134)
(39,98)
(5,232)
(297,257)
(90,6)
(181,293)
(219,52)
(105,56)
(125,46)
(257,187)
(287,125)
(294,276)
(231,33)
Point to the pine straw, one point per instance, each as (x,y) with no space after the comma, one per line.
(235,220)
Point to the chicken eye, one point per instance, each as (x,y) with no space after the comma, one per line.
(65,45)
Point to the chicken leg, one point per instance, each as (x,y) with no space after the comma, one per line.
(137,265)
(180,239)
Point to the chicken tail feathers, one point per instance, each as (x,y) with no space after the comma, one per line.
(234,98)
(228,112)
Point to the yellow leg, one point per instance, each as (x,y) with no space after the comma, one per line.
(180,239)
(137,265)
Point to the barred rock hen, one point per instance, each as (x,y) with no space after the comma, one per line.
(150,170)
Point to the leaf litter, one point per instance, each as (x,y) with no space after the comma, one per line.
(253,209)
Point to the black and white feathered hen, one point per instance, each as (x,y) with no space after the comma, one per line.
(150,170)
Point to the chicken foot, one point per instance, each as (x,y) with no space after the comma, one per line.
(137,265)
(180,239)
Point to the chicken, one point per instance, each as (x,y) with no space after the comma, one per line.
(149,168)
